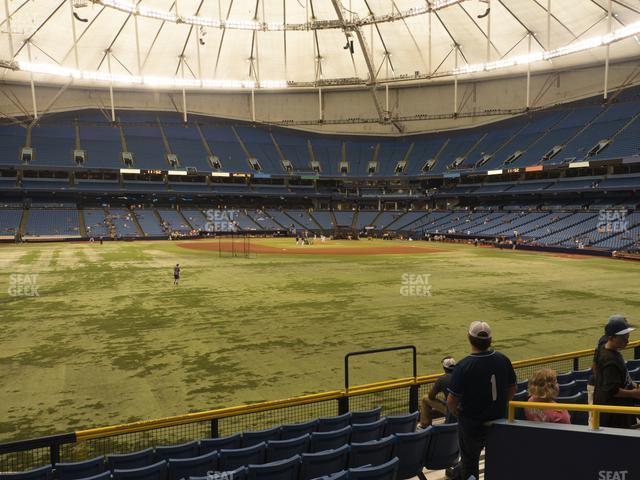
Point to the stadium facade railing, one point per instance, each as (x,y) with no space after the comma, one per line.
(397,396)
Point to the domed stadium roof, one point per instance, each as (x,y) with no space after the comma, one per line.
(306,43)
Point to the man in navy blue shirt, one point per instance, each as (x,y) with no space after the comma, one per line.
(481,386)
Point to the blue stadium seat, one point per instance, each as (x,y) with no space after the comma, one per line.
(295,430)
(101,476)
(183,450)
(282,449)
(315,465)
(582,374)
(633,364)
(287,469)
(42,473)
(567,389)
(565,377)
(375,452)
(126,461)
(366,416)
(581,385)
(522,385)
(386,471)
(329,424)
(401,423)
(185,467)
(235,458)
(577,418)
(237,474)
(521,396)
(443,451)
(157,471)
(250,439)
(365,432)
(321,441)
(210,444)
(87,468)
(635,374)
(411,450)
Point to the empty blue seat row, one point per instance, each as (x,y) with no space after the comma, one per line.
(435,447)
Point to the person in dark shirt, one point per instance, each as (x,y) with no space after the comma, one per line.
(613,383)
(482,385)
(431,402)
(176,274)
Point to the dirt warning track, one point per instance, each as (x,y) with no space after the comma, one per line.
(256,247)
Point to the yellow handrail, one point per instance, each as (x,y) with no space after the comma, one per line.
(576,407)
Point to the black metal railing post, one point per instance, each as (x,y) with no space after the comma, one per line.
(215,433)
(414,398)
(379,350)
(54,453)
(636,352)
(576,363)
(343,405)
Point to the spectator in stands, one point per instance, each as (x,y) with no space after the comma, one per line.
(591,382)
(613,383)
(543,388)
(481,386)
(431,402)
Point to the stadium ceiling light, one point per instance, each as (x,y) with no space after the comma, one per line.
(143,11)
(576,47)
(174,82)
(149,81)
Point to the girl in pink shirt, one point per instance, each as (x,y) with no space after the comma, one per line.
(543,387)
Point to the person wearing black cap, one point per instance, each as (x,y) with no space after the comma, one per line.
(431,402)
(482,384)
(613,383)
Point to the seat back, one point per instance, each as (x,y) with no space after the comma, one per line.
(240,457)
(633,364)
(127,461)
(321,441)
(366,416)
(581,385)
(41,473)
(185,467)
(401,423)
(635,374)
(443,451)
(315,465)
(330,424)
(88,468)
(523,385)
(411,450)
(210,444)
(282,449)
(365,432)
(577,418)
(249,439)
(296,430)
(237,474)
(386,471)
(157,471)
(565,377)
(521,396)
(375,452)
(287,469)
(567,389)
(582,374)
(184,450)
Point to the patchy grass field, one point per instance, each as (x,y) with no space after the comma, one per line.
(110,339)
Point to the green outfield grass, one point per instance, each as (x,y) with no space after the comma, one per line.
(109,339)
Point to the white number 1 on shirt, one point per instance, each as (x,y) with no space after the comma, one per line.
(494,388)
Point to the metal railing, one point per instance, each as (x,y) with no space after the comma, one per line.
(396,396)
(596,410)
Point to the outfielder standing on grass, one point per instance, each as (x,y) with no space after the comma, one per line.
(176,274)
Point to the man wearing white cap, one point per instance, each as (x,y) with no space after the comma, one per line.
(481,386)
(431,402)
(613,383)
